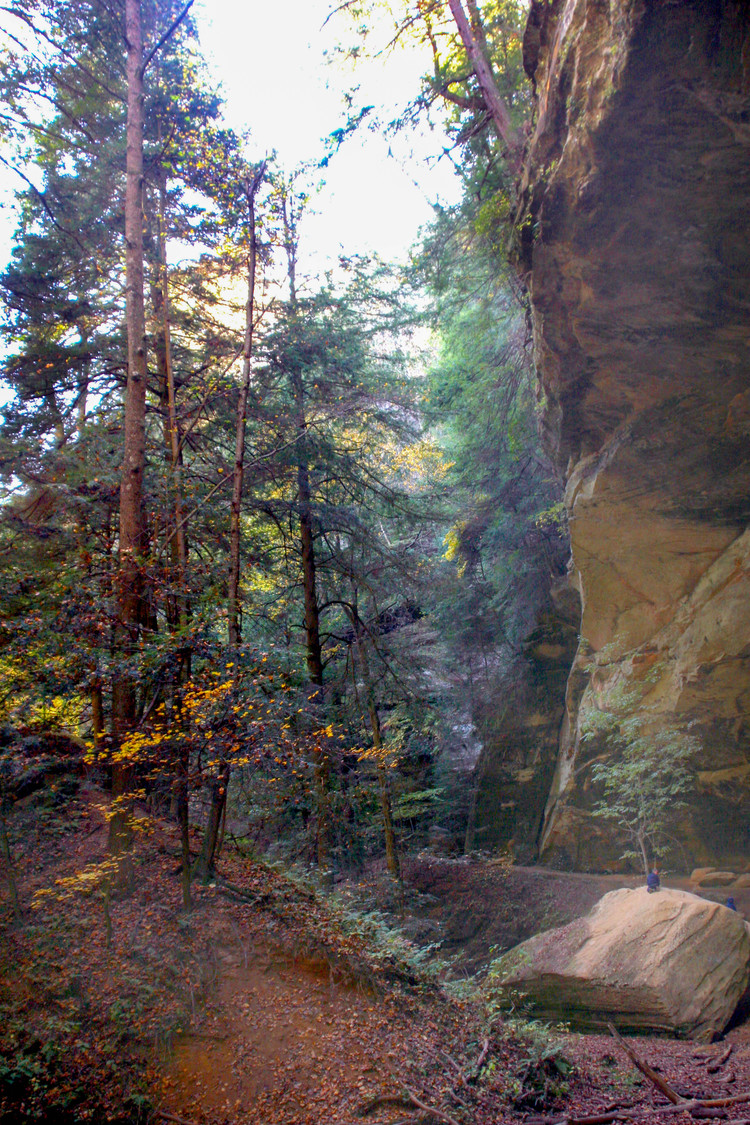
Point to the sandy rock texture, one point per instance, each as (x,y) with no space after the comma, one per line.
(668,962)
(634,230)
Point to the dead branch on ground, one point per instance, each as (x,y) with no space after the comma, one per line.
(644,1068)
(718,1063)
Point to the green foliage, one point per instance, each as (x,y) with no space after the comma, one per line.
(416,803)
(508,530)
(644,771)
(542,1078)
(388,947)
(337,396)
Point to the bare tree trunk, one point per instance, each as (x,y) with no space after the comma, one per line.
(178,615)
(178,610)
(391,850)
(304,495)
(309,578)
(475,46)
(183,819)
(132,532)
(205,863)
(222,832)
(5,852)
(233,602)
(644,855)
(313,646)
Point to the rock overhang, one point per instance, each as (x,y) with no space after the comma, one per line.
(635,238)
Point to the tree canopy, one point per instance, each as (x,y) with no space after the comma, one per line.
(233,490)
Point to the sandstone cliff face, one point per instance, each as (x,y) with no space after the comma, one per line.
(635,231)
(516,767)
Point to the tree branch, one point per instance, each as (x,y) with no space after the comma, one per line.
(495,104)
(43,200)
(167,34)
(644,1068)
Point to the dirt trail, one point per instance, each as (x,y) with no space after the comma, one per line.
(278,1043)
(259,984)
(283,1041)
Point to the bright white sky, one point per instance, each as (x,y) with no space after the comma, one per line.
(270,60)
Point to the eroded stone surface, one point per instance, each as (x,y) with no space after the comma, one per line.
(667,962)
(635,235)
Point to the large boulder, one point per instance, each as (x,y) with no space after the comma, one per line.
(668,962)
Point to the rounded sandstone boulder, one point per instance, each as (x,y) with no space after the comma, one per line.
(712,878)
(669,962)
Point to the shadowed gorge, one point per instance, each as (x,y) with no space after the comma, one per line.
(375,634)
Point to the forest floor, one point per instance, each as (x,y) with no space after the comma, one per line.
(271,1002)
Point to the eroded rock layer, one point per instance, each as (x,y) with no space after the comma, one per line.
(635,234)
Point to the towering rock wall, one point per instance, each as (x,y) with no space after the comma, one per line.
(635,231)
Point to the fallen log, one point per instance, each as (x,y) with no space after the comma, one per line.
(439,1113)
(162,1113)
(380,1100)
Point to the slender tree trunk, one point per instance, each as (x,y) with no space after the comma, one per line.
(233,605)
(309,578)
(183,819)
(10,870)
(178,614)
(391,849)
(304,493)
(313,646)
(132,535)
(172,563)
(222,832)
(312,643)
(179,533)
(205,863)
(480,64)
(644,854)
